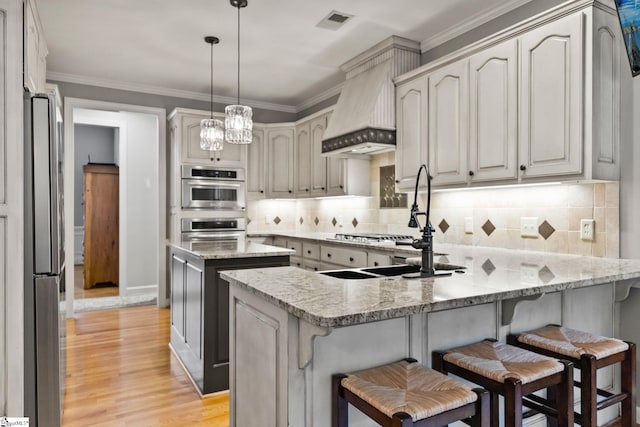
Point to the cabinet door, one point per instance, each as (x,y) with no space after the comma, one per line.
(280,164)
(303,160)
(336,171)
(255,177)
(411,131)
(448,123)
(493,113)
(193,308)
(232,155)
(551,99)
(178,266)
(318,162)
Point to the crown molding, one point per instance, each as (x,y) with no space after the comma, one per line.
(162,91)
(329,93)
(469,24)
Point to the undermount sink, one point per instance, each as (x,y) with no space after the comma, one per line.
(393,270)
(389,271)
(348,274)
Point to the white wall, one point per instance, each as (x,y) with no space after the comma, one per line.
(139,191)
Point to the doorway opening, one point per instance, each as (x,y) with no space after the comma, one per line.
(119,222)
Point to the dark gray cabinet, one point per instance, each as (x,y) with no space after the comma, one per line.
(200,314)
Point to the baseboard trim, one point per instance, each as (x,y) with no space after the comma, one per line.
(139,290)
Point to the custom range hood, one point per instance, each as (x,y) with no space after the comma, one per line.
(364,119)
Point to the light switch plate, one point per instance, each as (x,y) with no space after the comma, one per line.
(468,224)
(587,229)
(529,226)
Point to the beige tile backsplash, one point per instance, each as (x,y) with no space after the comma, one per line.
(561,205)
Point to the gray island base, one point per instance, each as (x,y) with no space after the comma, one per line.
(291,329)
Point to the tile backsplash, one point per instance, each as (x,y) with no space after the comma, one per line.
(494,215)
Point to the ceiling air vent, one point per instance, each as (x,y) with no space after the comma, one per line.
(334,20)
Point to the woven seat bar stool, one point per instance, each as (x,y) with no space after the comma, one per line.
(515,374)
(405,393)
(589,352)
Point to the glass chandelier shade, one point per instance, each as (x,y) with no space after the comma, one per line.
(238,122)
(211,134)
(211,130)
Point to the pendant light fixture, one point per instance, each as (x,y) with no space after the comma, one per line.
(211,130)
(238,123)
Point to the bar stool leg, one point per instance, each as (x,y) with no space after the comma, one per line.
(512,402)
(340,409)
(628,373)
(401,419)
(481,418)
(494,402)
(588,391)
(552,397)
(564,397)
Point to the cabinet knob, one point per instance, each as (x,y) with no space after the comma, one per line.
(350,259)
(328,255)
(309,252)
(212,159)
(375,263)
(306,189)
(315,268)
(397,181)
(290,191)
(218,159)
(261,191)
(471,173)
(523,168)
(323,188)
(342,186)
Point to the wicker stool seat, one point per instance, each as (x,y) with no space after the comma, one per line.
(406,393)
(589,352)
(515,374)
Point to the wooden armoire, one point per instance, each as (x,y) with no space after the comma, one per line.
(101,207)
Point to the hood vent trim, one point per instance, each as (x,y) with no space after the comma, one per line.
(382,138)
(363,120)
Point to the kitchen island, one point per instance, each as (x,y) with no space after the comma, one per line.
(291,329)
(200,304)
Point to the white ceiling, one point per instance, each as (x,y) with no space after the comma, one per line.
(157,46)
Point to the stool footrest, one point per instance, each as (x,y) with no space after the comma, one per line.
(601,392)
(539,404)
(612,400)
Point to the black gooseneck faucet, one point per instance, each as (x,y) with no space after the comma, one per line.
(426,242)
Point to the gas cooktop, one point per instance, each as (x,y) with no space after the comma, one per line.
(372,237)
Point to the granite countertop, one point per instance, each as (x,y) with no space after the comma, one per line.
(231,249)
(490,275)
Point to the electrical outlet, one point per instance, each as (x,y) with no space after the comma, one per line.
(587,229)
(339,220)
(528,273)
(529,226)
(468,224)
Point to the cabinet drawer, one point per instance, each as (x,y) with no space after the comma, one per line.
(311,265)
(295,261)
(295,245)
(310,250)
(378,260)
(342,256)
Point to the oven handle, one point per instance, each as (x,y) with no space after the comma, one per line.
(211,236)
(197,183)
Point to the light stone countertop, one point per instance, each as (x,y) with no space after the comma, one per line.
(231,249)
(490,275)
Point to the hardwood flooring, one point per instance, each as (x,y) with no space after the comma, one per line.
(120,372)
(98,291)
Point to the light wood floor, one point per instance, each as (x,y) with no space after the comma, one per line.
(99,291)
(120,372)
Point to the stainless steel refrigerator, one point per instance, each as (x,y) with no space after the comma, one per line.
(44,263)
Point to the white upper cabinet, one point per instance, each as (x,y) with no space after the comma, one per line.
(280,162)
(256,162)
(35,46)
(551,99)
(493,106)
(448,123)
(411,131)
(318,177)
(303,160)
(538,102)
(232,155)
